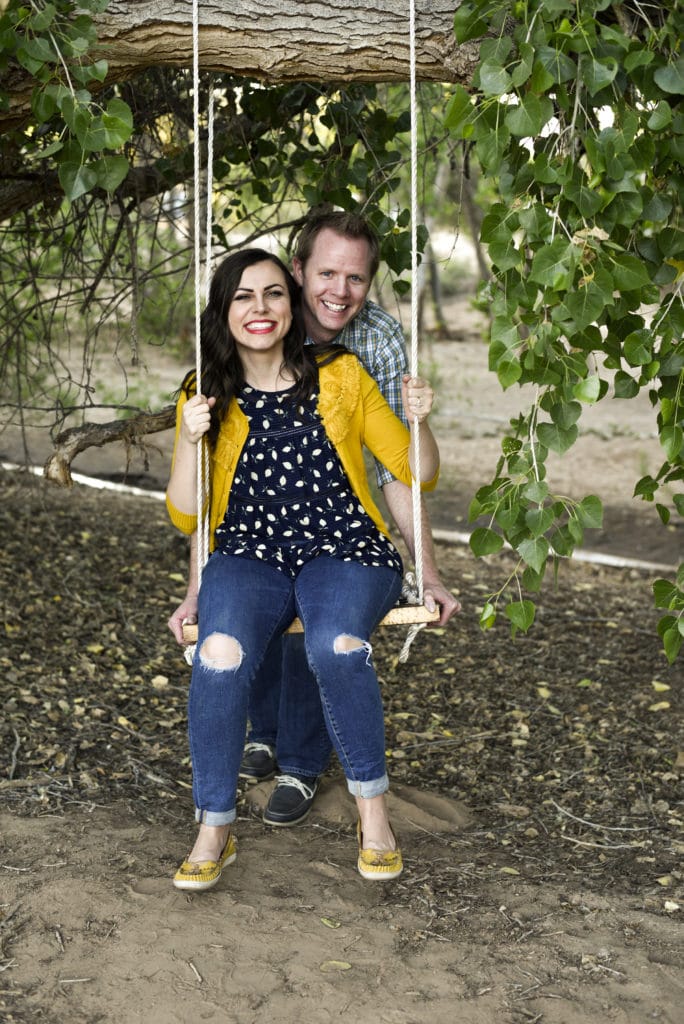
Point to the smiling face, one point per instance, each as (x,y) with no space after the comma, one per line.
(260,314)
(335,280)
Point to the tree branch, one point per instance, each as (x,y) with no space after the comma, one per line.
(93,435)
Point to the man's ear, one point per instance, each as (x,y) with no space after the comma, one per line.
(297,270)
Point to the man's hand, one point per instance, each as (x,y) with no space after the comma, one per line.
(185,612)
(436,595)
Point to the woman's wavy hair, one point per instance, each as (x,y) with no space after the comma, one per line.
(223,374)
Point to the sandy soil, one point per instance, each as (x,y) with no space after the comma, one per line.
(544,878)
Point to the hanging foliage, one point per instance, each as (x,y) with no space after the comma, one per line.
(575,117)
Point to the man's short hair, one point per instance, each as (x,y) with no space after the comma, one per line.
(349,225)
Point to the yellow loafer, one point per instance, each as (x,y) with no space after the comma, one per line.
(206,874)
(378,865)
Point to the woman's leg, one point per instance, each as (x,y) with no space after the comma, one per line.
(340,604)
(243,604)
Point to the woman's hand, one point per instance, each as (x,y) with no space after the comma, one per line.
(417,396)
(196,417)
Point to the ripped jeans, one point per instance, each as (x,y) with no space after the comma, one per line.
(243,605)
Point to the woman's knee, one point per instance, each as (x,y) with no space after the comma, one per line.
(346,643)
(221,652)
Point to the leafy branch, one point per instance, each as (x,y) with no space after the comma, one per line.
(52,41)
(576,120)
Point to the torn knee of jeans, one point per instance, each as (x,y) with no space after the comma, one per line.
(346,644)
(221,652)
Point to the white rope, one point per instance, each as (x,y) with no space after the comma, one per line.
(202,452)
(414,594)
(197,239)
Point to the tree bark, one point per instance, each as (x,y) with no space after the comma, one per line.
(274,41)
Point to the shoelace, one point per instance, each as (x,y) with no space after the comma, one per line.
(253,748)
(289,780)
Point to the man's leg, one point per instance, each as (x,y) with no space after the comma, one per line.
(303,745)
(259,757)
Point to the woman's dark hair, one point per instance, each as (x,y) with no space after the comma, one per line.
(222,371)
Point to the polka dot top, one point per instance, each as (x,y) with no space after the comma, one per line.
(291,500)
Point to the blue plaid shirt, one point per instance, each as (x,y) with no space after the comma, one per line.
(377,339)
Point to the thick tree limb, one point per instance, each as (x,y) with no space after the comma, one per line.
(273,41)
(93,435)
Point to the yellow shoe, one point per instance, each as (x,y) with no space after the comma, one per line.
(206,874)
(378,865)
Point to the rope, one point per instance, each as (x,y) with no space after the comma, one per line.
(202,453)
(413,590)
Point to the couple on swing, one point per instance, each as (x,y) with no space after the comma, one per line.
(287,410)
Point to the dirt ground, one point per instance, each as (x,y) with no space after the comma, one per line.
(536,783)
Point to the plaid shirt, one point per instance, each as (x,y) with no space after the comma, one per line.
(377,339)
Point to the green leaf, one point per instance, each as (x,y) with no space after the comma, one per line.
(467,25)
(508,370)
(672,642)
(111,171)
(521,614)
(638,347)
(117,121)
(646,488)
(664,593)
(534,552)
(590,512)
(664,513)
(585,305)
(557,438)
(523,69)
(625,386)
(487,616)
(672,439)
(553,265)
(587,200)
(529,116)
(588,390)
(76,179)
(459,108)
(564,414)
(484,541)
(671,77)
(536,490)
(597,74)
(538,520)
(661,117)
(493,79)
(629,273)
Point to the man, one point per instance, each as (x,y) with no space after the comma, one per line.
(336,259)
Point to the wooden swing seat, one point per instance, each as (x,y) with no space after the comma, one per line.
(402,614)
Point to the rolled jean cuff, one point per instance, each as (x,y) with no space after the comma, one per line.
(376,787)
(215,817)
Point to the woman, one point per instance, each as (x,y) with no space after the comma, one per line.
(294,532)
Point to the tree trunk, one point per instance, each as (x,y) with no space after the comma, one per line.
(272,41)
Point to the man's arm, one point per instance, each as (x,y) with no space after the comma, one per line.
(187,609)
(400,504)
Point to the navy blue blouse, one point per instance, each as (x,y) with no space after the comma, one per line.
(290,500)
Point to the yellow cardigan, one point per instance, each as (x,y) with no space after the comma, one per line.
(354,414)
